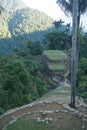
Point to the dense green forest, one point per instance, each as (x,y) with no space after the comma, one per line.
(21,78)
(82,68)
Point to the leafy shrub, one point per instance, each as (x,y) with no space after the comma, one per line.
(1,110)
(82,78)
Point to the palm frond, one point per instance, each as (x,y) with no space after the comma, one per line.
(82,6)
(65,6)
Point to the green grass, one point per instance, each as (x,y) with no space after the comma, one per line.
(54,93)
(57,67)
(61,90)
(64,88)
(66,123)
(56,78)
(54,54)
(21,124)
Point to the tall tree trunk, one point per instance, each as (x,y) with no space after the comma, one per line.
(74,53)
(78,27)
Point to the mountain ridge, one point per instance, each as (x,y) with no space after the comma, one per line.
(18,19)
(19,26)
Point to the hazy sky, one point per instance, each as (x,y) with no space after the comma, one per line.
(52,9)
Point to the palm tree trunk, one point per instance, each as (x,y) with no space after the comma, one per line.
(78,27)
(74,53)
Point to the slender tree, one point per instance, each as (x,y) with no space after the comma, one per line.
(75,8)
(67,7)
(74,52)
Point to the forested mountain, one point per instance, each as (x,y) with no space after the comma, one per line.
(24,21)
(27,21)
(18,27)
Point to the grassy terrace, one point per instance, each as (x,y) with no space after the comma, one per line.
(59,93)
(65,122)
(54,54)
(57,67)
(29,125)
(64,88)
